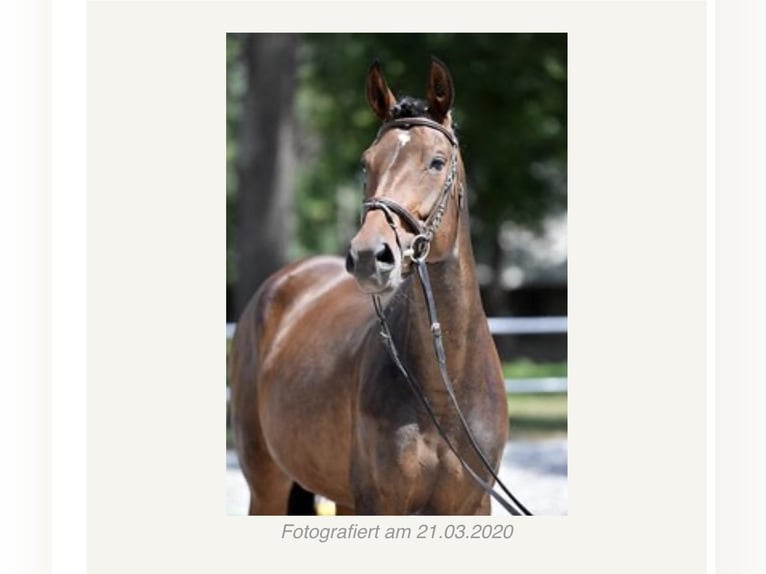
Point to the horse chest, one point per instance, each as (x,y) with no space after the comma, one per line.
(412,473)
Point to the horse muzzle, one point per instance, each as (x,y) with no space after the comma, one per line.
(374,264)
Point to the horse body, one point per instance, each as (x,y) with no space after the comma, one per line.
(291,397)
(316,397)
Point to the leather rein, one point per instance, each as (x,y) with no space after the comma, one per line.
(418,253)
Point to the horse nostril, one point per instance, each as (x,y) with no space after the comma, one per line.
(384,254)
(350,261)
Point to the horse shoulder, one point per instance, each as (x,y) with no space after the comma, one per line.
(263,318)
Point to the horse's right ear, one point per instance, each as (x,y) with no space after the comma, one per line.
(379,97)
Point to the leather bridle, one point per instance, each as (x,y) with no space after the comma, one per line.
(418,252)
(426,230)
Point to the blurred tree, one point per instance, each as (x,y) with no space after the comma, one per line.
(265,155)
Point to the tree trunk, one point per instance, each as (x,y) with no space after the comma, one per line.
(266,161)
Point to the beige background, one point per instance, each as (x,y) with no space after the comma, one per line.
(156,269)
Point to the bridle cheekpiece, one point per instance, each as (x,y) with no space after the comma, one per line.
(425,231)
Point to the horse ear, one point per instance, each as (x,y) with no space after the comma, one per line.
(380,98)
(439,92)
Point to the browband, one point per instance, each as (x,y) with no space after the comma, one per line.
(406,123)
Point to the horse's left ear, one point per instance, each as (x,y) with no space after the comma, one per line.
(439,91)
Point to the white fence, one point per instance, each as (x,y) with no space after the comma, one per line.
(514,326)
(527,325)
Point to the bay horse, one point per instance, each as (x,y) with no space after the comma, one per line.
(320,402)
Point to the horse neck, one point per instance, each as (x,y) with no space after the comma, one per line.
(459,311)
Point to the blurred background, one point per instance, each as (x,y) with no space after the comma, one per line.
(298,122)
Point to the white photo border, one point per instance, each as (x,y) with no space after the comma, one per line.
(197,522)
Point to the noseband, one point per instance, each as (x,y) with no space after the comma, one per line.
(418,252)
(425,231)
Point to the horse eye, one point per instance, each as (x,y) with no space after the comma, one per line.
(437,163)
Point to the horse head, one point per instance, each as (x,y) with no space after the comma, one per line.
(413,183)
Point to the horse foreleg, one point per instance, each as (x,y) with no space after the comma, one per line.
(269,490)
(301,501)
(269,485)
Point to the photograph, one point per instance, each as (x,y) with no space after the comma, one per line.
(396,274)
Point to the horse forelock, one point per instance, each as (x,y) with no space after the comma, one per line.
(409,107)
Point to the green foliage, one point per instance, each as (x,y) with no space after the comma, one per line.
(510,107)
(236,85)
(526,369)
(537,415)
